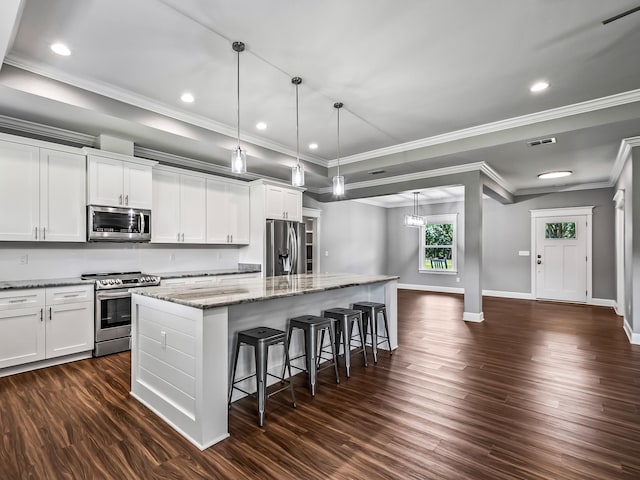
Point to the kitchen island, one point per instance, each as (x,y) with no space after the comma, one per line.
(182,337)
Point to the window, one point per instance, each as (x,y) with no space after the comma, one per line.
(560,230)
(438,244)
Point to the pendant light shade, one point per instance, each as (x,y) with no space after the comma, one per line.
(297,172)
(338,180)
(238,156)
(414,220)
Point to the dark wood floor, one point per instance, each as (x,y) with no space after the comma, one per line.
(537,391)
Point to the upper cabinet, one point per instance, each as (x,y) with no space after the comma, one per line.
(179,206)
(42,192)
(282,203)
(118,180)
(227,212)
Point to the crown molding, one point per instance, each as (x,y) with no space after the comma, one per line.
(47,131)
(623,154)
(564,188)
(437,172)
(493,127)
(149,104)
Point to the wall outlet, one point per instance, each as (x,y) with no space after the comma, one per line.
(458,279)
(326,253)
(523,253)
(24,259)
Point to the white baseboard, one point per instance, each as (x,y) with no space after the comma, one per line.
(602,302)
(473,317)
(634,338)
(430,288)
(501,294)
(4,372)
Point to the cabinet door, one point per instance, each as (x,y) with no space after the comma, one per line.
(19,191)
(238,208)
(274,202)
(69,329)
(22,334)
(193,204)
(165,215)
(217,212)
(138,185)
(62,196)
(293,205)
(105,181)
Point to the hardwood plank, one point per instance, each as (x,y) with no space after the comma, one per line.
(539,390)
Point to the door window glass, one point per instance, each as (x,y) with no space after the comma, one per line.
(564,230)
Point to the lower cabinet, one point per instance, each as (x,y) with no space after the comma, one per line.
(39,324)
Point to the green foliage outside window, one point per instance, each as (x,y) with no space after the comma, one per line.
(438,240)
(560,230)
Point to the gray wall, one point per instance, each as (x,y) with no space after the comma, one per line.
(506,230)
(353,234)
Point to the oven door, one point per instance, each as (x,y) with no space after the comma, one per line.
(113,315)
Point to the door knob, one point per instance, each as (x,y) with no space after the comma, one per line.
(539,262)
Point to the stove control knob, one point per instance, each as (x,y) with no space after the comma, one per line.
(144,279)
(103,282)
(118,282)
(111,282)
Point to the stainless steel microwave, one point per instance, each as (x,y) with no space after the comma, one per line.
(116,224)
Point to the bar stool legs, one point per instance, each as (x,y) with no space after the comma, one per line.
(311,326)
(261,338)
(370,312)
(346,318)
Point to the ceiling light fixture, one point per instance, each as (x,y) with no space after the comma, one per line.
(187,97)
(414,220)
(559,174)
(539,87)
(238,156)
(61,49)
(313,146)
(261,126)
(338,180)
(297,172)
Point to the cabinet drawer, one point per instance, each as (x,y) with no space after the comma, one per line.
(32,297)
(71,294)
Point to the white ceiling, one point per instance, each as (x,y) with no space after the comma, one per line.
(414,71)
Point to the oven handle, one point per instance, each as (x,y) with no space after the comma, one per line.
(103,296)
(142,224)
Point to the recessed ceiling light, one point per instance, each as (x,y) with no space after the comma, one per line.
(61,49)
(539,86)
(187,97)
(559,174)
(313,146)
(261,126)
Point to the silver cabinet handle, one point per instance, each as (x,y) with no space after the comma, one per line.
(183,237)
(19,300)
(120,200)
(44,233)
(227,238)
(50,314)
(71,295)
(232,238)
(178,236)
(126,199)
(41,314)
(36,230)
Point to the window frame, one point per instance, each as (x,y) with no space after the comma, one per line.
(439,219)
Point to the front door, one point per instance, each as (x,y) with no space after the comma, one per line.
(561,258)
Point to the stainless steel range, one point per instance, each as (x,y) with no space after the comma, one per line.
(113,308)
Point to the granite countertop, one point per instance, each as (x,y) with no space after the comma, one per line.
(44,283)
(207,273)
(257,289)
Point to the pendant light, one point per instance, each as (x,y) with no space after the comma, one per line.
(297,172)
(414,220)
(238,156)
(338,180)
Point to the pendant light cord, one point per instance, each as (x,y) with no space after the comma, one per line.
(297,129)
(238,94)
(338,142)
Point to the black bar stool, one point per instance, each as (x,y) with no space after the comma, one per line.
(312,325)
(370,312)
(261,338)
(346,319)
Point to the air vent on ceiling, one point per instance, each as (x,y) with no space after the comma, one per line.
(541,141)
(375,172)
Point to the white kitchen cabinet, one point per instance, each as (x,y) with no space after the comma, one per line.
(38,324)
(118,180)
(228,215)
(42,194)
(179,207)
(282,203)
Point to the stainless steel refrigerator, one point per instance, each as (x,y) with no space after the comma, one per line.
(286,252)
